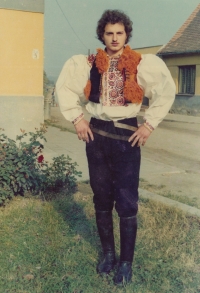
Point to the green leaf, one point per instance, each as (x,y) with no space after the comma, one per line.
(36,143)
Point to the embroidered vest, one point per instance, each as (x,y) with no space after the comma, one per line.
(127,64)
(95,79)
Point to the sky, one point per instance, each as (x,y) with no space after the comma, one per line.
(70,25)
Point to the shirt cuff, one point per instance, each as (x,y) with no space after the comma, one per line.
(148,125)
(78,119)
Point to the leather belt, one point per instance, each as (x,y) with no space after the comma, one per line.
(125,126)
(111,135)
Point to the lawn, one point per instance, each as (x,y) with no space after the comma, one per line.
(53,246)
(164,191)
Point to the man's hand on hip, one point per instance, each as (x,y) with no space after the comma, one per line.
(140,136)
(83,130)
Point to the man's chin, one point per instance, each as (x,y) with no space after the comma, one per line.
(115,48)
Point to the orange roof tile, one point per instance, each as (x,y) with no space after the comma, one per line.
(187,38)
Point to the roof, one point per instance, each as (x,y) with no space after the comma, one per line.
(148,50)
(187,38)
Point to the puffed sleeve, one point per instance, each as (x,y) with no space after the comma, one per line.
(156,81)
(70,87)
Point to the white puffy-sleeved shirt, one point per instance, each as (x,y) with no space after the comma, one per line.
(153,77)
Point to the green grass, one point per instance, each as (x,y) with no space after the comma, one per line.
(193,202)
(48,247)
(160,189)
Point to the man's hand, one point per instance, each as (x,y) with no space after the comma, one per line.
(83,130)
(140,136)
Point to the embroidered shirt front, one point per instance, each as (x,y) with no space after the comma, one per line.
(112,84)
(153,77)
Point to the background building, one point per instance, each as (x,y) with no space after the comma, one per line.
(149,50)
(182,56)
(21,63)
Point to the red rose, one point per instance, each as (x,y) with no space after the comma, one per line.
(40,158)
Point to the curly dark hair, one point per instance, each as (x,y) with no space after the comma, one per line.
(114,16)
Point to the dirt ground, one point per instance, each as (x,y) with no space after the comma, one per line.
(170,158)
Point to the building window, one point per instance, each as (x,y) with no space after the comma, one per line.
(187,79)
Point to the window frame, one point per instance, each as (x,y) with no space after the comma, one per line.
(187,78)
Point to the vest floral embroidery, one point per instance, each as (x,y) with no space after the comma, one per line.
(117,78)
(112,85)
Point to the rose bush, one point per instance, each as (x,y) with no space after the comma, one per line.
(23,167)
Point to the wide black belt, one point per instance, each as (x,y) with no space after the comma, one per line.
(114,136)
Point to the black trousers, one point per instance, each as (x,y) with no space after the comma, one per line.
(114,169)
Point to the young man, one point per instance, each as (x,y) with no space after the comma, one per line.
(112,83)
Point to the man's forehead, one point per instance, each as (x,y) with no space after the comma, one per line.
(114,26)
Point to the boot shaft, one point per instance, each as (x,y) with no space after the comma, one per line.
(104,223)
(128,232)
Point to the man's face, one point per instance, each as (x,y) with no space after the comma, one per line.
(114,38)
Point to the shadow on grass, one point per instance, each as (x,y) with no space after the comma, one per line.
(81,224)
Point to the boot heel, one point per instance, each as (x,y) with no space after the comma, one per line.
(128,231)
(107,264)
(124,274)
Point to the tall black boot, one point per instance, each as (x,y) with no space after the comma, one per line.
(128,231)
(105,228)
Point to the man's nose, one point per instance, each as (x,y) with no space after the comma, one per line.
(114,37)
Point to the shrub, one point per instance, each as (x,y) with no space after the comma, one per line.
(23,167)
